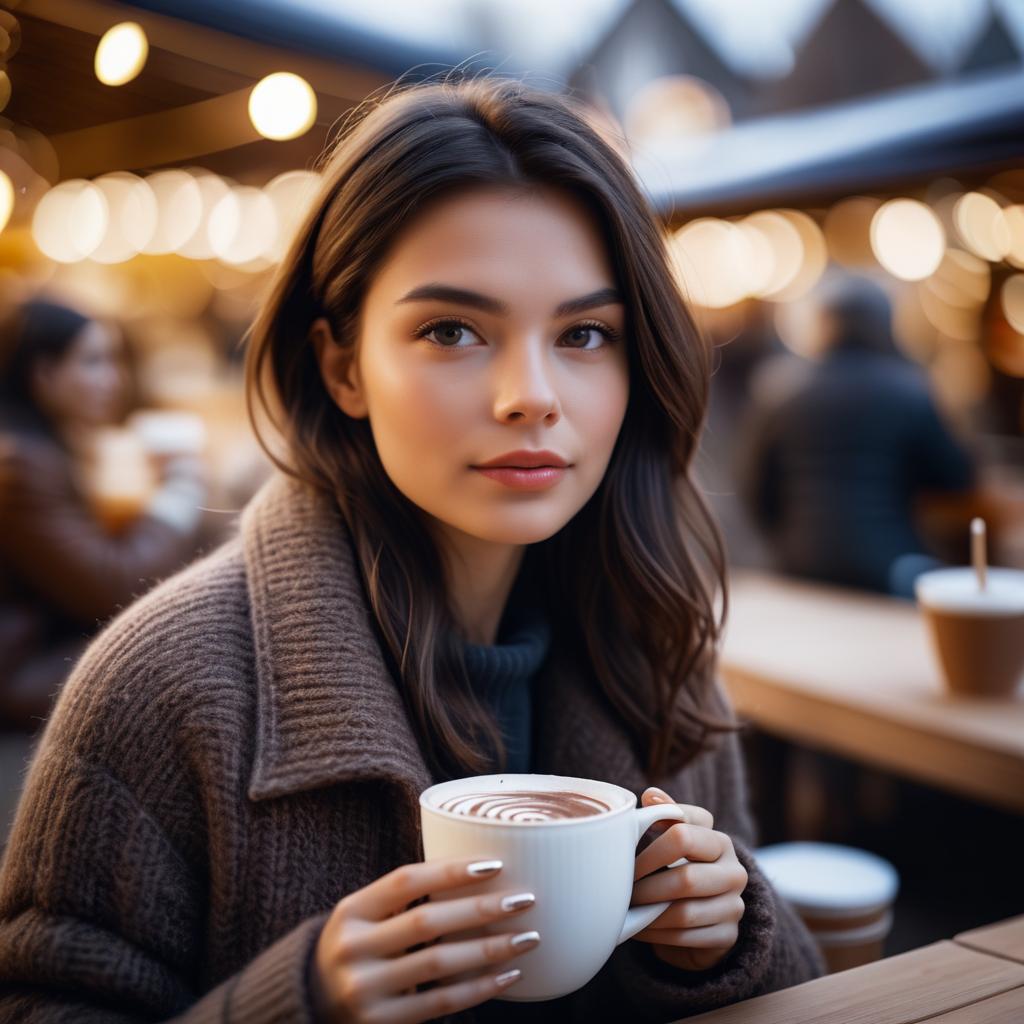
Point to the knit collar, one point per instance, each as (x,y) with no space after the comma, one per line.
(523,637)
(328,708)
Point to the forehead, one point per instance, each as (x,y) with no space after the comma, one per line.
(95,337)
(542,242)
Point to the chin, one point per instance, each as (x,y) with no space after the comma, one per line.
(515,527)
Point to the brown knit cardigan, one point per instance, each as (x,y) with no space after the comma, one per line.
(231,756)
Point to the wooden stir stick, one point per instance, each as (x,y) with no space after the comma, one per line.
(978,550)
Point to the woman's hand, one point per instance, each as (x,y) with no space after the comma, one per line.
(362,969)
(702,924)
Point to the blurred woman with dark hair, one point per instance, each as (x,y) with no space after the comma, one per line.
(62,571)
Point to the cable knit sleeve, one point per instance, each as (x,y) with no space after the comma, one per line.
(105,882)
(774,949)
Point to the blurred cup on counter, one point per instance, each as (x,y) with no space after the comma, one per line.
(120,477)
(166,432)
(977,631)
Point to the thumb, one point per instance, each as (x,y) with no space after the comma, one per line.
(653,795)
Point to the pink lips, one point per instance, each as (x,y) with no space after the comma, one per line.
(524,479)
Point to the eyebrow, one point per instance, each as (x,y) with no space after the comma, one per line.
(447,293)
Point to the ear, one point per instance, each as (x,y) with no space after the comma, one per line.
(338,370)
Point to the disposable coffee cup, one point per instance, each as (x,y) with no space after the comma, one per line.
(580,870)
(977,633)
(843,894)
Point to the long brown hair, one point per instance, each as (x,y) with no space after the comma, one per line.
(631,580)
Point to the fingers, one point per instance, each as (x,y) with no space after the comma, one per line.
(714,937)
(700,912)
(440,1002)
(444,959)
(430,921)
(697,815)
(689,841)
(689,880)
(397,889)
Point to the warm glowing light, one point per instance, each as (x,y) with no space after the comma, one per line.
(1014,217)
(785,246)
(981,224)
(907,239)
(847,231)
(674,108)
(813,260)
(70,221)
(282,106)
(212,189)
(292,194)
(5,89)
(242,225)
(6,199)
(711,258)
(131,217)
(121,53)
(179,205)
(1012,298)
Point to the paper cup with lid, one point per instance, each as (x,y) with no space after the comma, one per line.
(977,632)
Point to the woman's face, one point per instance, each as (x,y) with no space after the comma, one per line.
(85,384)
(512,372)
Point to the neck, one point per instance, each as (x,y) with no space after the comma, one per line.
(479,576)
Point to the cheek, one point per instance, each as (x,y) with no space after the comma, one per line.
(421,421)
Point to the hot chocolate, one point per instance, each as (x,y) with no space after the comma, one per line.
(525,805)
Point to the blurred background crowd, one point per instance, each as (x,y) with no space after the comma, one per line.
(842,188)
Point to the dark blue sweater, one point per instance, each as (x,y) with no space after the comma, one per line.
(502,673)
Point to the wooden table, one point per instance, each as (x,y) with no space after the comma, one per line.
(978,978)
(854,674)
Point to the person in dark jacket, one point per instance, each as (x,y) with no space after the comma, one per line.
(835,454)
(62,572)
(483,549)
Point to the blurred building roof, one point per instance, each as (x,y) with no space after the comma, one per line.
(948,126)
(652,38)
(995,46)
(851,51)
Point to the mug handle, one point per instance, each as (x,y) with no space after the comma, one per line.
(638,918)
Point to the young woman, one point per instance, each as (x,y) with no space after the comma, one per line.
(62,376)
(222,822)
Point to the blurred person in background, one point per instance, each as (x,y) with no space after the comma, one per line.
(832,462)
(63,571)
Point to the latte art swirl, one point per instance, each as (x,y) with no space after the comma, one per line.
(525,806)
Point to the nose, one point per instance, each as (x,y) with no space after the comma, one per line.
(524,390)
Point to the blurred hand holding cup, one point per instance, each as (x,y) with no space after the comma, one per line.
(168,433)
(579,868)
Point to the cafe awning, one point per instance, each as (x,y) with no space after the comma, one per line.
(958,126)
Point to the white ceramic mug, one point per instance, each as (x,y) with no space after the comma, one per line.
(580,870)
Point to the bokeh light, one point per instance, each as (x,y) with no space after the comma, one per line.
(1011,297)
(121,53)
(131,217)
(70,221)
(674,108)
(6,199)
(212,188)
(179,205)
(847,231)
(292,194)
(1014,218)
(242,225)
(282,106)
(907,239)
(981,225)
